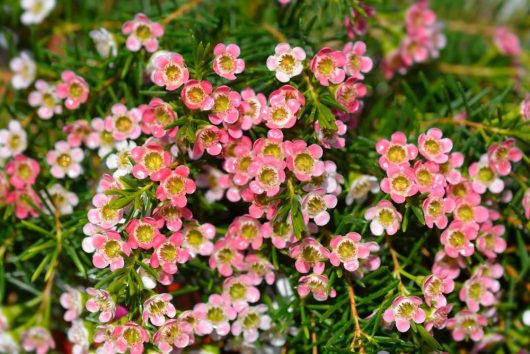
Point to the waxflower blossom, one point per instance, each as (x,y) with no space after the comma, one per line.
(316,284)
(130,336)
(433,147)
(72,302)
(142,31)
(250,320)
(73,89)
(286,61)
(437,317)
(309,254)
(151,161)
(123,123)
(80,132)
(209,139)
(22,171)
(37,339)
(8,344)
(175,185)
(157,307)
(484,177)
(225,258)
(196,95)
(214,315)
(13,140)
(65,160)
(449,168)
(525,107)
(105,42)
(78,335)
(24,71)
(457,239)
(327,65)
(356,63)
(63,200)
(467,324)
(108,249)
(197,238)
(143,232)
(428,179)
(281,233)
(240,291)
(281,113)
(245,232)
(315,205)
(168,252)
(435,209)
(226,62)
(35,11)
(501,154)
(45,98)
(172,334)
(104,215)
(258,269)
(120,161)
(403,311)
(400,183)
(269,174)
(104,334)
(170,71)
(468,210)
(447,267)
(225,106)
(348,94)
(385,218)
(396,151)
(332,139)
(360,187)
(252,107)
(348,250)
(507,42)
(101,301)
(23,209)
(478,290)
(304,160)
(156,117)
(434,288)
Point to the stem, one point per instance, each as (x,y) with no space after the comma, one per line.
(397,267)
(357,329)
(180,11)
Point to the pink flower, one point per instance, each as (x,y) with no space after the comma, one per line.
(428,179)
(19,198)
(272,146)
(348,250)
(209,139)
(414,49)
(434,288)
(143,232)
(109,249)
(360,21)
(419,18)
(240,291)
(467,323)
(168,252)
(22,171)
(309,254)
(104,215)
(400,183)
(500,156)
(281,233)
(151,161)
(507,42)
(172,215)
(197,238)
(65,160)
(286,61)
(72,302)
(156,308)
(331,138)
(170,71)
(46,99)
(196,95)
(317,284)
(356,63)
(243,232)
(123,123)
(103,334)
(288,92)
(449,168)
(252,107)
(468,210)
(226,63)
(268,174)
(384,217)
(525,202)
(80,132)
(457,239)
(477,291)
(489,242)
(156,117)
(437,317)
(101,301)
(73,89)
(249,321)
(315,205)
(175,186)
(225,258)
(403,311)
(447,267)
(348,94)
(304,160)
(484,177)
(282,112)
(396,151)
(37,339)
(434,210)
(142,32)
(463,189)
(173,334)
(433,147)
(259,268)
(225,106)
(327,66)
(525,107)
(130,336)
(214,315)
(330,181)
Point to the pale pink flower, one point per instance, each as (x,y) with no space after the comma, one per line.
(488,343)
(72,302)
(104,215)
(327,65)
(130,336)
(315,205)
(225,258)
(23,209)
(174,333)
(490,270)
(240,291)
(65,160)
(419,18)
(282,112)
(102,138)
(435,209)
(468,210)
(437,317)
(309,254)
(225,106)
(331,138)
(209,139)
(268,174)
(175,186)
(197,238)
(272,146)
(281,233)
(13,141)
(396,151)
(428,179)
(252,108)
(449,168)
(348,250)
(156,308)
(360,187)
(317,284)
(24,70)
(143,232)
(259,268)
(348,94)
(108,248)
(101,301)
(433,147)
(457,239)
(120,161)
(77,334)
(45,98)
(501,154)
(142,31)
(37,339)
(463,190)
(196,95)
(507,42)
(245,232)
(477,291)
(525,107)
(156,118)
(151,161)
(168,252)
(356,62)
(22,171)
(80,132)
(73,89)
(525,202)
(214,316)
(385,218)
(304,160)
(414,49)
(403,311)
(400,183)
(489,241)
(330,181)
(286,61)
(123,123)
(467,323)
(288,92)
(434,288)
(226,62)
(249,321)
(445,266)
(215,180)
(484,177)
(170,71)
(103,334)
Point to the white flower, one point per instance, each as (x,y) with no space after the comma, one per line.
(78,336)
(360,187)
(286,61)
(46,99)
(63,200)
(8,344)
(120,161)
(105,43)
(35,10)
(24,71)
(13,141)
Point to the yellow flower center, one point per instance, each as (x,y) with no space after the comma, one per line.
(304,162)
(153,161)
(64,160)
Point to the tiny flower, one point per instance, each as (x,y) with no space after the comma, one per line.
(142,31)
(252,106)
(23,209)
(467,323)
(37,339)
(121,160)
(156,117)
(213,180)
(396,151)
(225,258)
(209,139)
(63,200)
(196,95)
(468,210)
(175,185)
(108,248)
(348,94)
(104,215)
(327,66)
(317,284)
(356,62)
(226,62)
(281,113)
(101,301)
(449,168)
(434,288)
(348,250)
(151,161)
(360,187)
(173,334)
(457,239)
(403,311)
(249,321)
(170,71)
(281,233)
(22,171)
(477,291)
(507,42)
(400,183)
(433,147)
(445,266)
(304,160)
(525,107)
(419,18)
(315,205)
(24,70)
(259,268)
(65,160)
(8,344)
(501,154)
(245,231)
(240,291)
(73,89)
(525,202)
(168,252)
(72,302)
(78,335)
(143,232)
(13,141)
(172,215)
(197,238)
(309,254)
(225,106)
(80,132)
(105,42)
(437,317)
(385,218)
(286,61)
(269,174)
(330,181)
(214,315)
(428,179)
(332,138)
(435,209)
(123,123)
(45,98)
(130,336)
(156,308)
(484,177)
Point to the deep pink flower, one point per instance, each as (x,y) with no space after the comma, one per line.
(463,189)
(309,254)
(457,239)
(243,232)
(103,215)
(130,336)
(315,205)
(108,248)
(142,31)
(304,160)
(46,99)
(477,291)
(435,209)
(168,252)
(348,94)
(437,317)
(73,89)
(143,232)
(288,92)
(331,138)
(225,106)
(327,65)
(22,171)
(385,218)
(196,95)
(214,315)
(396,151)
(356,63)
(403,311)
(317,284)
(174,333)
(170,71)
(348,250)
(286,61)
(501,154)
(467,323)
(449,168)
(428,179)
(240,291)
(151,161)
(400,183)
(259,268)
(507,42)
(360,21)
(238,160)
(226,62)
(433,147)
(268,174)
(101,301)
(468,210)
(419,18)
(250,320)
(484,176)
(156,308)
(19,198)
(434,288)
(65,160)
(175,185)
(281,113)
(37,339)
(197,238)
(209,139)
(225,258)
(489,241)
(156,117)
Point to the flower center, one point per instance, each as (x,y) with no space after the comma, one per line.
(501,153)
(208,137)
(326,66)
(162,116)
(424,177)
(143,32)
(435,288)
(405,310)
(112,249)
(347,250)
(132,336)
(304,162)
(175,185)
(168,252)
(268,176)
(252,320)
(144,233)
(173,72)
(226,63)
(279,114)
(475,290)
(432,147)
(459,190)
(195,237)
(157,307)
(396,154)
(315,205)
(401,184)
(124,124)
(108,213)
(14,141)
(24,171)
(244,163)
(222,104)
(287,63)
(355,61)
(215,314)
(47,100)
(196,95)
(238,291)
(273,150)
(248,231)
(310,254)
(153,161)
(225,255)
(435,208)
(386,217)
(465,213)
(485,174)
(75,90)
(64,160)
(457,239)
